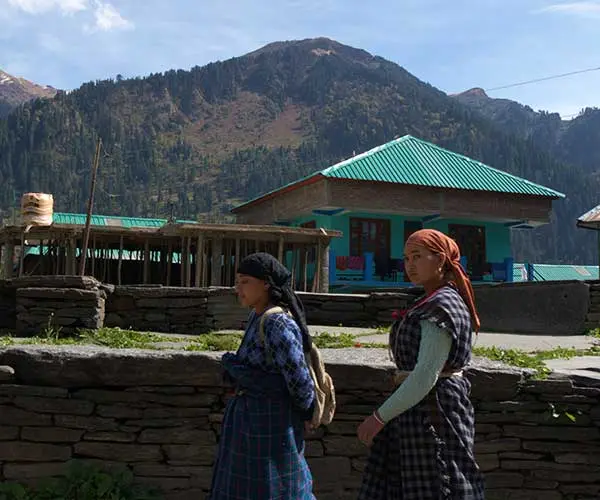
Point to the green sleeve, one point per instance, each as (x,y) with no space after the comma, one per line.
(433,353)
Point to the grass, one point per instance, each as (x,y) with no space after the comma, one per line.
(117,338)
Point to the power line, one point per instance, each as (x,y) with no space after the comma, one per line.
(544,79)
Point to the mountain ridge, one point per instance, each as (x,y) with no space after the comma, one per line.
(206,139)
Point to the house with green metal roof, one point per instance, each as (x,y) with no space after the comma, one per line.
(380,197)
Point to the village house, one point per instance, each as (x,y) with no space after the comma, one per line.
(378,198)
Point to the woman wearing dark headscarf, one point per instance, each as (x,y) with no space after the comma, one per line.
(261,449)
(422,437)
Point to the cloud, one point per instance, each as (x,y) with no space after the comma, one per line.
(588,10)
(108,18)
(43,6)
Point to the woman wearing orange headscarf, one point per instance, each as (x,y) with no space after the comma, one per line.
(422,437)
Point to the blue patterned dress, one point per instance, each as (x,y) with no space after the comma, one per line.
(261,449)
(426,453)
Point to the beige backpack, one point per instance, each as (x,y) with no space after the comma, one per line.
(324,389)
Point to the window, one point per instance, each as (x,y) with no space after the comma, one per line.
(369,235)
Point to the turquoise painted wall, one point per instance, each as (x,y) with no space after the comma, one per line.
(497,235)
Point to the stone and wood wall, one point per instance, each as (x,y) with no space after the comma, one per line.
(159,414)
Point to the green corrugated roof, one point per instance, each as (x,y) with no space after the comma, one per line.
(556,272)
(110,220)
(409,160)
(416,162)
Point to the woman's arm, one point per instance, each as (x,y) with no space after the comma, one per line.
(284,344)
(433,353)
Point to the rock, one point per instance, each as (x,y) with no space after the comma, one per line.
(39,470)
(496,445)
(186,454)
(11,416)
(108,436)
(177,435)
(55,405)
(344,446)
(61,294)
(86,423)
(583,434)
(7,374)
(86,366)
(51,434)
(329,470)
(122,452)
(17,451)
(503,480)
(8,433)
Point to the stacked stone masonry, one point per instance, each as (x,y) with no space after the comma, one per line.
(159,414)
(593,315)
(30,304)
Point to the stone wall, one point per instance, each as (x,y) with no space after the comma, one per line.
(158,413)
(74,302)
(592,319)
(174,309)
(59,303)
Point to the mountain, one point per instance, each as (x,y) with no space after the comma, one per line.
(203,140)
(15,91)
(573,141)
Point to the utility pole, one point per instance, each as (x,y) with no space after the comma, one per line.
(88,220)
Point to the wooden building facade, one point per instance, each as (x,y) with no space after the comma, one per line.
(134,251)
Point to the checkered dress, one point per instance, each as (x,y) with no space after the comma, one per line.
(261,449)
(426,453)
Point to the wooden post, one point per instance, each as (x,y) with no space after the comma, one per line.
(199,260)
(204,279)
(93,273)
(305,249)
(73,256)
(181,263)
(146,260)
(22,256)
(120,261)
(169,262)
(228,251)
(280,249)
(323,264)
(237,256)
(294,266)
(188,261)
(7,260)
(88,219)
(217,251)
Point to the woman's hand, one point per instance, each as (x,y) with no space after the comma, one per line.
(370,427)
(308,427)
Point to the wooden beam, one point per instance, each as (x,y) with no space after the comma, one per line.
(181,263)
(204,279)
(199,260)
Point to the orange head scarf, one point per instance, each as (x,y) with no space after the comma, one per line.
(439,243)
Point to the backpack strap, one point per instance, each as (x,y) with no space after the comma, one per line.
(261,327)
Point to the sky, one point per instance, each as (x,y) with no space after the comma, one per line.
(454,45)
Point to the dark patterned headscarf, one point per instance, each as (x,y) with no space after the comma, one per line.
(264,266)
